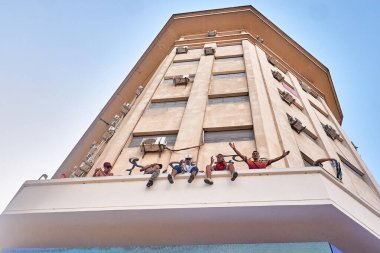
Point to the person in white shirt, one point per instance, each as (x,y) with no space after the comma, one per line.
(184,166)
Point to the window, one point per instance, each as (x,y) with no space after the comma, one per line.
(350,166)
(213,101)
(229,59)
(185,63)
(307,160)
(235,75)
(136,140)
(290,89)
(319,109)
(158,105)
(229,136)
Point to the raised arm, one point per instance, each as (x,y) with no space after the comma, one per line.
(284,153)
(232,145)
(212,161)
(322,160)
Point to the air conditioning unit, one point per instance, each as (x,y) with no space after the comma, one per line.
(93,149)
(110,132)
(85,167)
(331,132)
(125,108)
(289,99)
(77,172)
(277,75)
(89,161)
(308,89)
(139,90)
(272,60)
(157,144)
(209,51)
(211,33)
(115,120)
(182,50)
(181,80)
(305,87)
(296,124)
(259,39)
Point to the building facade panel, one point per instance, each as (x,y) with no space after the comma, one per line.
(229,51)
(247,92)
(228,85)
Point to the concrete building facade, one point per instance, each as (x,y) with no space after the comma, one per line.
(209,78)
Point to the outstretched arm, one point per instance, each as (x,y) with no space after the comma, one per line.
(212,161)
(322,160)
(232,145)
(284,153)
(147,167)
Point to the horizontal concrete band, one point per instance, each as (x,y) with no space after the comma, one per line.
(271,205)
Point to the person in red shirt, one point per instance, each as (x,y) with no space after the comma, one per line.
(256,163)
(105,172)
(221,164)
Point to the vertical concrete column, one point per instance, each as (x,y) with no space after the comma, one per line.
(323,138)
(285,133)
(125,129)
(266,137)
(191,128)
(368,177)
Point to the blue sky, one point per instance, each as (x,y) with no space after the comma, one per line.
(61,60)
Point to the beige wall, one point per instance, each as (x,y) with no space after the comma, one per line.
(228,65)
(228,86)
(152,121)
(229,51)
(263,110)
(169,92)
(236,115)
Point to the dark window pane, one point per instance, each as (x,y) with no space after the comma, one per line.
(235,75)
(168,104)
(213,101)
(227,136)
(350,165)
(136,140)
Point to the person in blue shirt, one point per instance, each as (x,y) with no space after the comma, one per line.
(184,166)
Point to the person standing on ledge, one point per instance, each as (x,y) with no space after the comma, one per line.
(220,165)
(154,170)
(255,163)
(105,172)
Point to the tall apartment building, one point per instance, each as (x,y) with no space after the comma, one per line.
(209,78)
